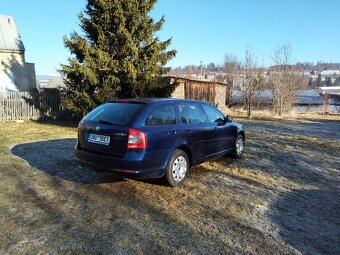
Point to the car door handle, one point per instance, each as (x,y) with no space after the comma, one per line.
(188,131)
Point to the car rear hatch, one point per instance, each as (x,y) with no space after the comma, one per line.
(106,128)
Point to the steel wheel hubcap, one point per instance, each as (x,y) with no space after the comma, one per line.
(239,146)
(179,168)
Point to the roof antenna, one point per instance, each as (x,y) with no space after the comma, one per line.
(136,94)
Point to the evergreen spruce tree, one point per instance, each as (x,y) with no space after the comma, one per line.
(118,55)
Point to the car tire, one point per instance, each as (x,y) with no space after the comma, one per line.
(238,146)
(177,168)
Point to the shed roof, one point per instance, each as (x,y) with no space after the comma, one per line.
(9,35)
(304,97)
(307,97)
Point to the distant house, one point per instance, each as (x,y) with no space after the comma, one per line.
(330,73)
(56,82)
(334,90)
(15,73)
(329,77)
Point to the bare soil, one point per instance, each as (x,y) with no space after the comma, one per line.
(282,197)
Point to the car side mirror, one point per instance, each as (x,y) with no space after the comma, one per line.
(228,119)
(220,121)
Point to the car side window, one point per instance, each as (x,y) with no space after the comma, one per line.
(213,114)
(162,115)
(191,113)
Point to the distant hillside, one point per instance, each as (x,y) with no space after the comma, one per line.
(319,66)
(218,68)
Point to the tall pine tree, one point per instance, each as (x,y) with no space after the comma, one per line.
(118,55)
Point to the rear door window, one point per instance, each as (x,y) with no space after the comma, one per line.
(114,113)
(162,115)
(191,114)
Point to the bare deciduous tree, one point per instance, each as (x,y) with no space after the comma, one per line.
(232,71)
(231,68)
(284,80)
(253,81)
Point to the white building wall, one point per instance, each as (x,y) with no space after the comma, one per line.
(15,73)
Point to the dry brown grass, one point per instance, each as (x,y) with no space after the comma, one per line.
(49,204)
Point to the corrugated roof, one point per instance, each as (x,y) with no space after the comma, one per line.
(9,35)
(261,95)
(308,97)
(304,97)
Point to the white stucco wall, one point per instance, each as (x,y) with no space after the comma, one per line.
(15,74)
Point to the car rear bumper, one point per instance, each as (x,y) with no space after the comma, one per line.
(134,164)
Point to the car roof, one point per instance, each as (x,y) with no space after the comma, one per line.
(150,100)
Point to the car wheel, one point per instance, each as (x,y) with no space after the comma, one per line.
(238,146)
(177,168)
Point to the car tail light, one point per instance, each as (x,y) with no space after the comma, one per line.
(137,139)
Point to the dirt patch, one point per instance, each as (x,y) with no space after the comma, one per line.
(282,197)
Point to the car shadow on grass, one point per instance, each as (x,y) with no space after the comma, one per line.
(309,220)
(56,158)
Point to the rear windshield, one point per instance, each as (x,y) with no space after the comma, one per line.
(114,113)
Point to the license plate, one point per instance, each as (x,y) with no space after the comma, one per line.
(99,139)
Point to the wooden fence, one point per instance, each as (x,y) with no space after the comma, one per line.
(31,106)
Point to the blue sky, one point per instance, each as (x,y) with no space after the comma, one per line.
(201,29)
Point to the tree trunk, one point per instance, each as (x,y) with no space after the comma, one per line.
(249,108)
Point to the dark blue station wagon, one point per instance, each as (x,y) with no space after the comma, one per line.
(155,138)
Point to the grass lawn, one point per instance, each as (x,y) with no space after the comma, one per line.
(282,197)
